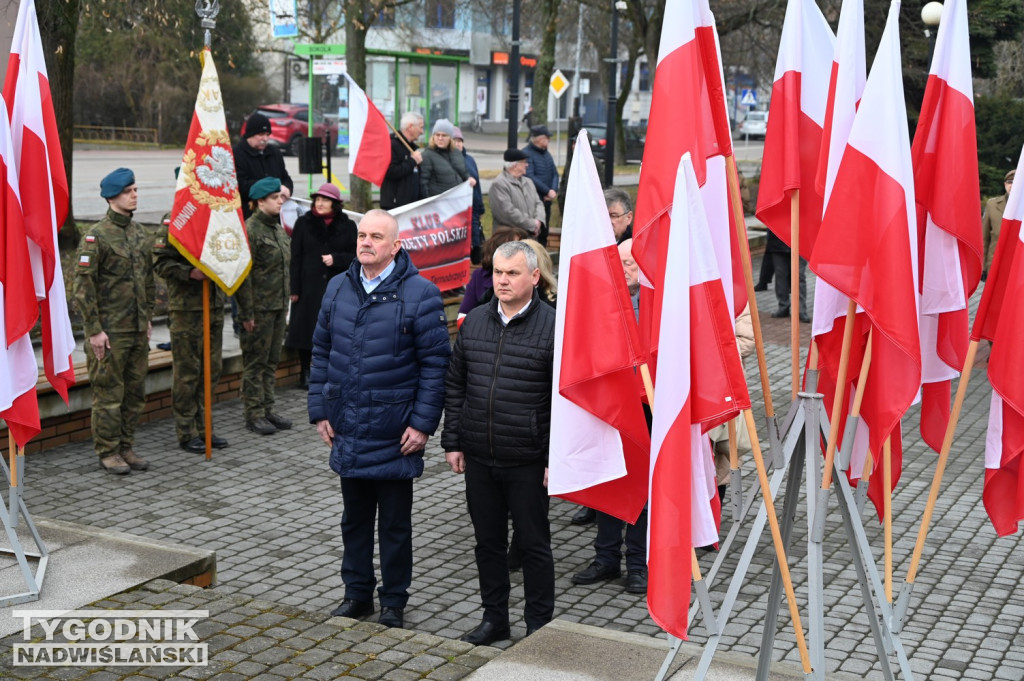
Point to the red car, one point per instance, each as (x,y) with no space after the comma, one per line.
(289,123)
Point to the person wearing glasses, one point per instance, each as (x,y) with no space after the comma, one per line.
(620,210)
(990,222)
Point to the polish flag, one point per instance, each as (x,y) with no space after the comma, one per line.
(18,370)
(1000,315)
(600,446)
(695,370)
(44,189)
(206,223)
(796,118)
(945,154)
(370,147)
(867,245)
(688,114)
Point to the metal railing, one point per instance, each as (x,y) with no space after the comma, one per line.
(110,134)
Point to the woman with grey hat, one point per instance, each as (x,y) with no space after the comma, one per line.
(323,245)
(443,166)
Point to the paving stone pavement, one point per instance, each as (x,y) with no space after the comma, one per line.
(270,507)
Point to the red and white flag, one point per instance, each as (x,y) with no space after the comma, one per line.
(696,368)
(945,154)
(796,117)
(436,232)
(206,220)
(688,114)
(600,446)
(1000,316)
(43,189)
(867,245)
(370,139)
(18,370)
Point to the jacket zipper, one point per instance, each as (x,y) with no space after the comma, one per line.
(490,400)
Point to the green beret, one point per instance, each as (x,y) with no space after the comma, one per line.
(264,188)
(116,182)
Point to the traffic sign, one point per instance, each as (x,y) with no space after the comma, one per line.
(748,97)
(559,84)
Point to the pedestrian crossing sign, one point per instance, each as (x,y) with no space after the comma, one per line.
(748,97)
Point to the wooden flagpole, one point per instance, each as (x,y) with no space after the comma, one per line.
(840,396)
(732,176)
(207,388)
(794,289)
(887,506)
(940,466)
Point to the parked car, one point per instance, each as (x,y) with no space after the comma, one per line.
(755,124)
(635,138)
(289,123)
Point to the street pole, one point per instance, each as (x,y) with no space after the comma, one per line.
(609,149)
(513,81)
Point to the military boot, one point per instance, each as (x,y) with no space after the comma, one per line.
(115,464)
(134,461)
(280,422)
(260,426)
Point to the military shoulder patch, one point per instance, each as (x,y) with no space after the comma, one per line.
(160,243)
(83,261)
(91,238)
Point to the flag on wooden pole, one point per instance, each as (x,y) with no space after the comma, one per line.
(370,139)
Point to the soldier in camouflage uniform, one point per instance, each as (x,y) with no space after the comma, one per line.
(185,314)
(262,306)
(115,294)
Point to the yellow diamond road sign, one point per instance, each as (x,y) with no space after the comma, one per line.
(559,84)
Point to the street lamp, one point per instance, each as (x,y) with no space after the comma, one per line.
(513,80)
(931,15)
(613,63)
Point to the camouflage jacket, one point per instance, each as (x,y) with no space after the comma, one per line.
(114,287)
(183,292)
(266,287)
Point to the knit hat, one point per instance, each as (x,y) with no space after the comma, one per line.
(264,188)
(443,125)
(256,124)
(457,134)
(514,155)
(328,191)
(539,130)
(116,182)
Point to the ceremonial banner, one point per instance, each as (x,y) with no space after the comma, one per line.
(436,233)
(43,189)
(206,221)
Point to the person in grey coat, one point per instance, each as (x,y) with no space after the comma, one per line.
(514,200)
(443,166)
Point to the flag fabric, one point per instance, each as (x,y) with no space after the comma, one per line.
(688,114)
(369,137)
(867,245)
(945,156)
(1000,316)
(796,117)
(43,189)
(600,445)
(693,363)
(206,221)
(18,371)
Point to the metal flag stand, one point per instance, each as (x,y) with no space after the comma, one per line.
(15,473)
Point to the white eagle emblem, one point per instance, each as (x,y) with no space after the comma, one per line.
(219,171)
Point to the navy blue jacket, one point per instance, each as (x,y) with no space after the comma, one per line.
(542,169)
(379,361)
(478,199)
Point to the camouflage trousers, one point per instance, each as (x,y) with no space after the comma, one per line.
(187,393)
(261,351)
(118,384)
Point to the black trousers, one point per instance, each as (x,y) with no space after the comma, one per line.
(491,494)
(608,543)
(782,282)
(363,499)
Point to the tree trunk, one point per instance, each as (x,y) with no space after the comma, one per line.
(355,61)
(620,106)
(546,60)
(58,26)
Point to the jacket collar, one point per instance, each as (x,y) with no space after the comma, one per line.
(118,219)
(530,309)
(404,268)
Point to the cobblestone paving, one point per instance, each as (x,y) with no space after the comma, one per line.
(270,507)
(250,638)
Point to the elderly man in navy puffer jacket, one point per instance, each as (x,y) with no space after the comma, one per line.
(376,392)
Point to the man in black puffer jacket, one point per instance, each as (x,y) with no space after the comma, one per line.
(496,429)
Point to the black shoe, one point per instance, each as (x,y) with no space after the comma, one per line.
(584,516)
(806,319)
(487,633)
(596,573)
(261,426)
(353,609)
(760,287)
(163,346)
(303,381)
(636,581)
(393,618)
(530,631)
(279,422)
(196,445)
(218,442)
(780,313)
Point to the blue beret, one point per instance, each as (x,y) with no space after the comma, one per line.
(264,188)
(116,182)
